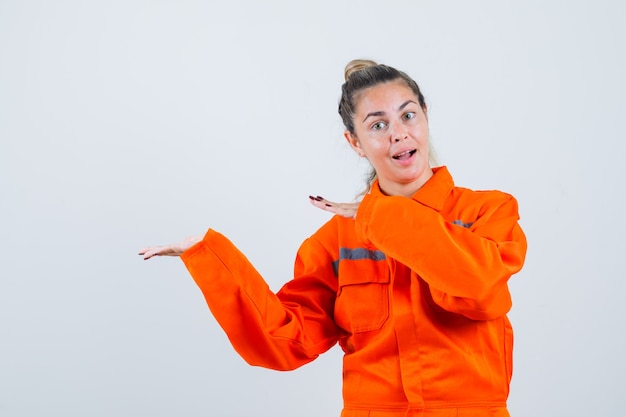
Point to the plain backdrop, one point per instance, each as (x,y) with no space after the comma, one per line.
(132,123)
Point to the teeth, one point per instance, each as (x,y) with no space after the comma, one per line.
(404,153)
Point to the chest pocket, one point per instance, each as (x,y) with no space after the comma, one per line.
(362,302)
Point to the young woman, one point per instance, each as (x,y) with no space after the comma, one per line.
(411,282)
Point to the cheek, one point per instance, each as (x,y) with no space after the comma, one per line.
(423,137)
(376,149)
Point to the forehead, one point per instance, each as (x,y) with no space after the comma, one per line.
(382,96)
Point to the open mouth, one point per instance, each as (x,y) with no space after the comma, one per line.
(404,155)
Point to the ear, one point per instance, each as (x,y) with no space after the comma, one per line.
(425,110)
(354,143)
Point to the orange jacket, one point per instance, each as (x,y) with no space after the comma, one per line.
(414,291)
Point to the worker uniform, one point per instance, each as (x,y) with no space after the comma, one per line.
(414,290)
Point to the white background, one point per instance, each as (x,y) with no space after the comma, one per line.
(130,123)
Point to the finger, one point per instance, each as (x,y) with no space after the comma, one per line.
(152,251)
(326,207)
(327,202)
(315,199)
(321,202)
(143,251)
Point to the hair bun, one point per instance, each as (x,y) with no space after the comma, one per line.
(357,65)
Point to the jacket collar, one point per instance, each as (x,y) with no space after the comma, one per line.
(432,194)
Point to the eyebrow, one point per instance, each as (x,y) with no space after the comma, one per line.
(381,113)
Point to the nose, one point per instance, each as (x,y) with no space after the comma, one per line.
(398,132)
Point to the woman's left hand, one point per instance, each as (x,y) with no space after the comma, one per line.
(175,249)
(342,209)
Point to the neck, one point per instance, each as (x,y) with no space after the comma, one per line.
(404,189)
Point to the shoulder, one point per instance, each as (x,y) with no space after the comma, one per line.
(469,205)
(472,195)
(481,196)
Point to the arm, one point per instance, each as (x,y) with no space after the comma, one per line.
(467,269)
(280,331)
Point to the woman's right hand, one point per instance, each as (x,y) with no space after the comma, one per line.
(342,209)
(175,249)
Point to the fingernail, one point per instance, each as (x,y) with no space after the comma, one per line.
(328,205)
(311,197)
(318,198)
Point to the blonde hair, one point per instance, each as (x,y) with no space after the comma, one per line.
(357,65)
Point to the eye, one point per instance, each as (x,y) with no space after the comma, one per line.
(379,125)
(410,115)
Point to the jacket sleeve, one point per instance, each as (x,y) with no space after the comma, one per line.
(279,331)
(466,269)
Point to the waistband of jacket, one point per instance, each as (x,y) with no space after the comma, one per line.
(482,410)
